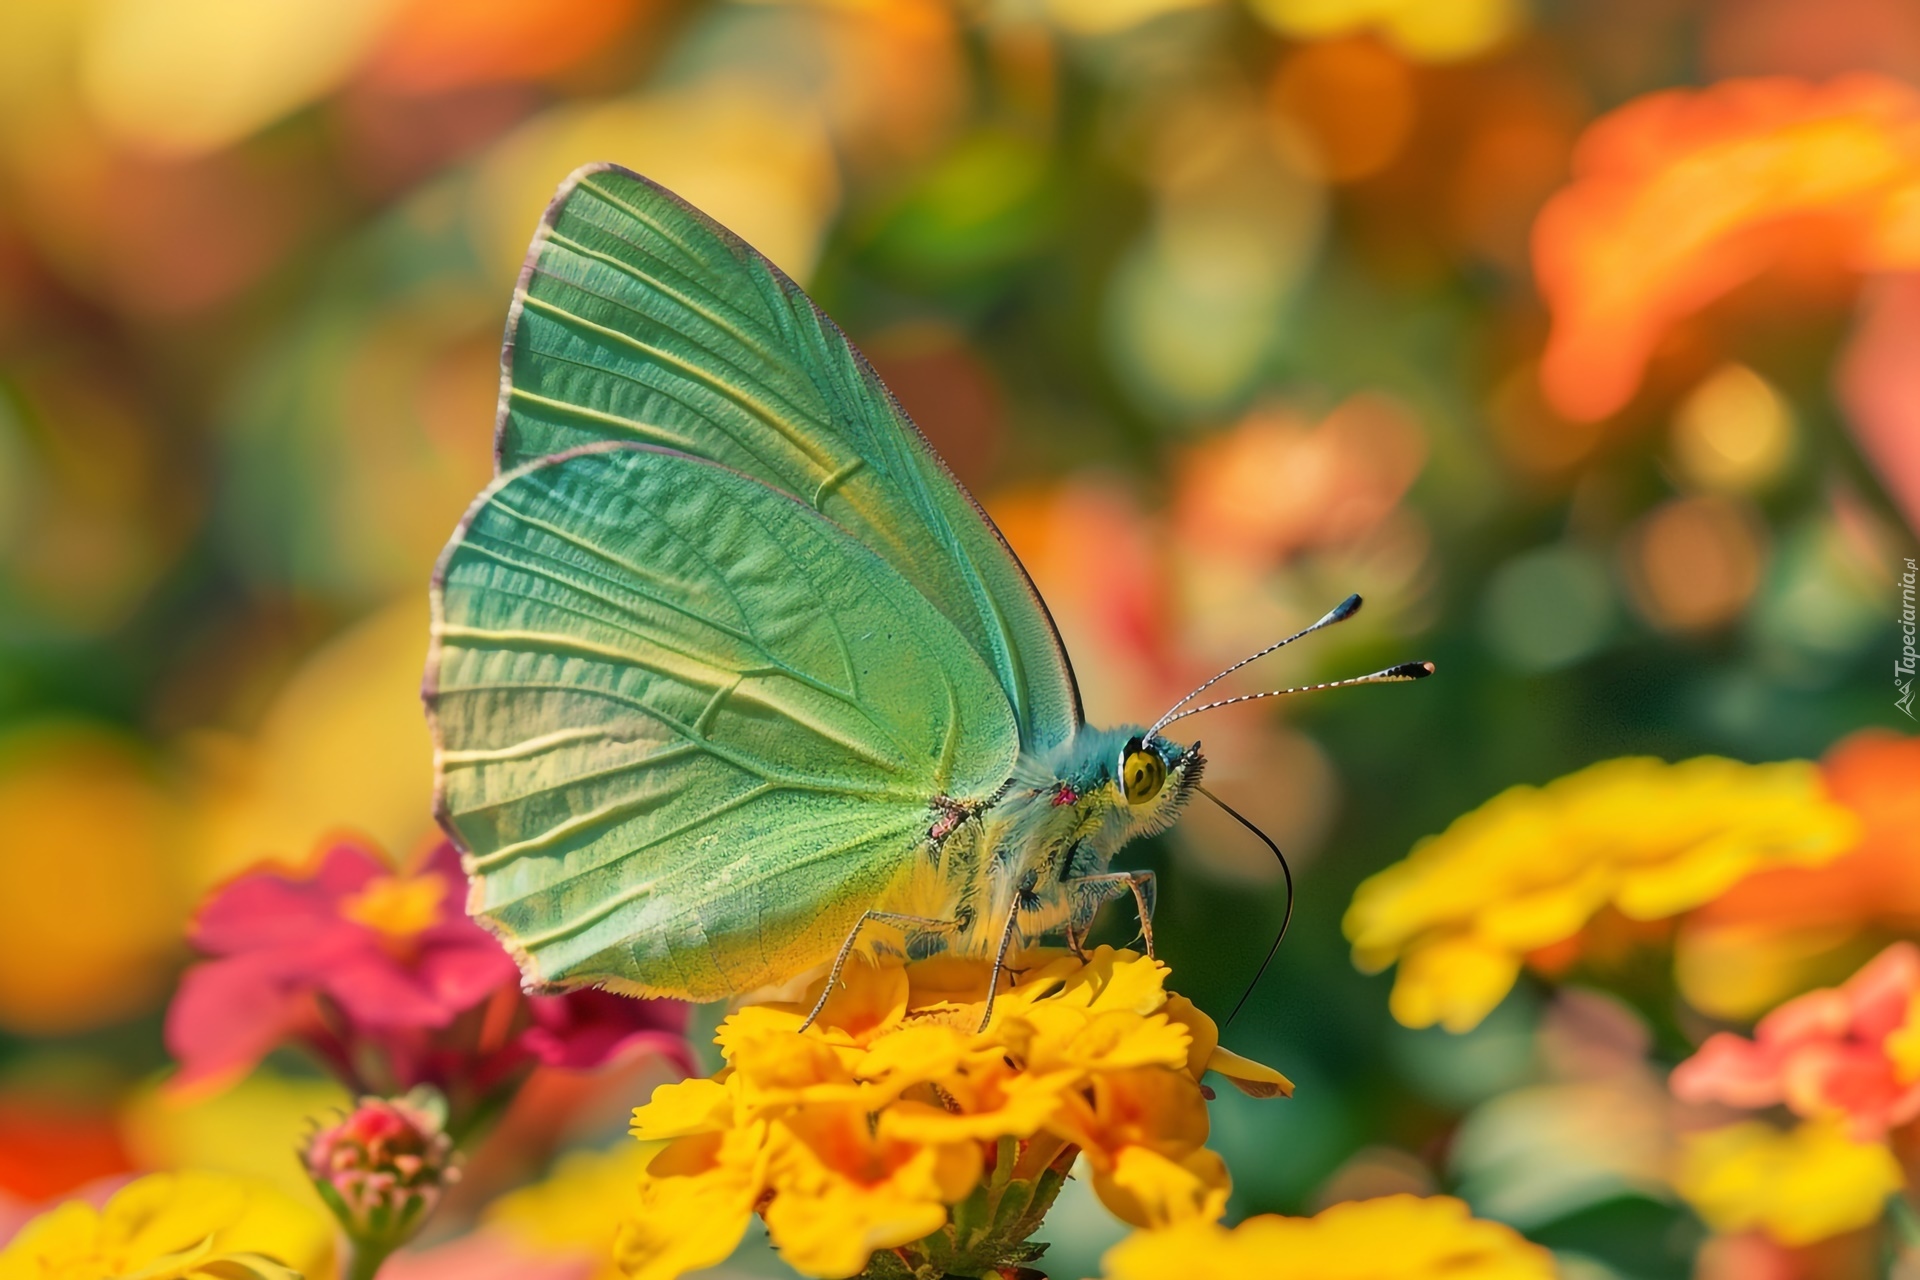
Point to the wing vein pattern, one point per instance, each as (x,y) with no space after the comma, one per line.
(690,795)
(637,309)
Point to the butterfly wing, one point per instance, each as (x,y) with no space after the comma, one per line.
(639,318)
(688,728)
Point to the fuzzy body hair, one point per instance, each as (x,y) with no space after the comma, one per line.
(1060,819)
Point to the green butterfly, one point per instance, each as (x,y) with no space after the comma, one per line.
(725,662)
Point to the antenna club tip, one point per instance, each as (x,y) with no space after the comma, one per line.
(1345,609)
(1416,670)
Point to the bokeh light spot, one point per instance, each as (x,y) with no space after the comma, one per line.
(1693,563)
(91,903)
(1430,30)
(186,77)
(1354,99)
(1548,608)
(1733,432)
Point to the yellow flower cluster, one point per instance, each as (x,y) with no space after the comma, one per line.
(1393,1238)
(176,1226)
(896,1122)
(1532,866)
(1798,1186)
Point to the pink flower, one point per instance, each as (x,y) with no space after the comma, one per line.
(1840,1051)
(382,976)
(385,951)
(583,1029)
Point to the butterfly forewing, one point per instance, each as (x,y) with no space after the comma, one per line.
(688,727)
(639,318)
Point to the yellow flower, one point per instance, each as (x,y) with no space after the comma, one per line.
(246,1130)
(1393,1238)
(575,1211)
(1425,30)
(176,1226)
(1799,1186)
(1532,866)
(895,1123)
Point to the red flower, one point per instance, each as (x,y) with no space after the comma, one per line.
(382,975)
(1831,1052)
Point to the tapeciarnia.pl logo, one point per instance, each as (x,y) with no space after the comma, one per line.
(1903,666)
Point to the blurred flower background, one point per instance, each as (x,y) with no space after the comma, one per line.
(1578,337)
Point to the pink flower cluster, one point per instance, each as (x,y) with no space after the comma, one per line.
(383,1168)
(1851,1051)
(380,974)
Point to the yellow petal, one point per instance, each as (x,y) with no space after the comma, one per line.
(686,1222)
(1110,1040)
(833,1232)
(171,1224)
(1147,1189)
(871,996)
(829,1211)
(682,1108)
(1023,1112)
(1398,1237)
(1799,1186)
(1255,1079)
(1454,981)
(1203,1035)
(925,1052)
(754,1020)
(1192,1250)
(776,1070)
(1123,980)
(577,1209)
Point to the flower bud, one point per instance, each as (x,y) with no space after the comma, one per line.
(382,1169)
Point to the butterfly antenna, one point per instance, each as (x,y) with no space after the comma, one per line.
(1285,920)
(1392,675)
(1339,613)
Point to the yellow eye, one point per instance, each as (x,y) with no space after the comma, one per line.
(1142,774)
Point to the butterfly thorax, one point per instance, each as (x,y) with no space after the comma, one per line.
(1059,820)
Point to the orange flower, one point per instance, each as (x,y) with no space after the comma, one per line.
(1850,1052)
(437,45)
(1782,931)
(1345,475)
(1681,196)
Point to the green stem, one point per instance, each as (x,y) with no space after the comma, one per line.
(364,1262)
(1906,1222)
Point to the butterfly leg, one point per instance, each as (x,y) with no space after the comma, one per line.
(853,935)
(1095,890)
(1074,940)
(1000,958)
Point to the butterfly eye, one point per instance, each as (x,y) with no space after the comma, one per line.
(1142,774)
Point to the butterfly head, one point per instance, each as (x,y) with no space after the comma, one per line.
(1152,777)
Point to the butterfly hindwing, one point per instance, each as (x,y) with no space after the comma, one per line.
(639,318)
(688,728)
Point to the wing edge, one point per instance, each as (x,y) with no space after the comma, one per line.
(734,242)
